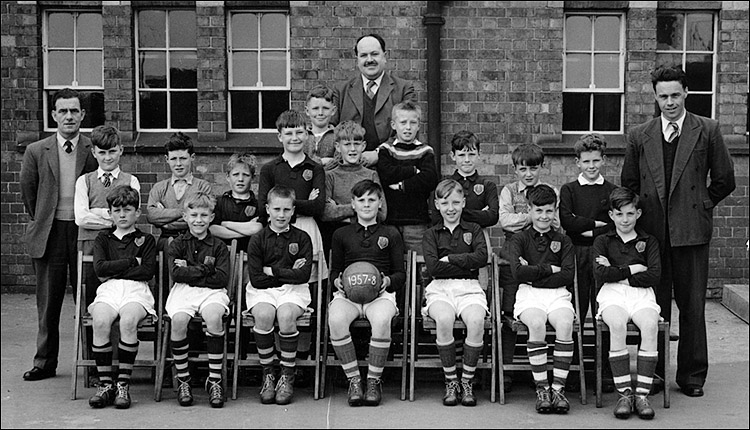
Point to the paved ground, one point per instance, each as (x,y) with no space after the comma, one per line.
(46,404)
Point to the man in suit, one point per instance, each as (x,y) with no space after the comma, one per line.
(369,98)
(667,162)
(48,175)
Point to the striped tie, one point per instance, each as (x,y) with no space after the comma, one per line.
(370,93)
(107,180)
(674,133)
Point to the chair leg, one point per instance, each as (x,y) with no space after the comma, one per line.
(76,350)
(160,370)
(666,366)
(581,367)
(599,359)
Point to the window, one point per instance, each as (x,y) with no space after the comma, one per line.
(167,70)
(72,56)
(259,82)
(593,73)
(688,39)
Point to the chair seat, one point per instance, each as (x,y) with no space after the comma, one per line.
(518,326)
(429,324)
(305,320)
(87,320)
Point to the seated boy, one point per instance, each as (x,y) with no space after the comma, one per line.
(199,266)
(365,240)
(125,260)
(628,265)
(454,251)
(543,263)
(279,260)
(320,108)
(236,214)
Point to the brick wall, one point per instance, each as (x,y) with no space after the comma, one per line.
(501,78)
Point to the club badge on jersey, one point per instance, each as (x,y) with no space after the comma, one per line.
(478,189)
(467,238)
(293,248)
(555,246)
(382,242)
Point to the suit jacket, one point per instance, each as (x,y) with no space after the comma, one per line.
(348,98)
(701,154)
(40,172)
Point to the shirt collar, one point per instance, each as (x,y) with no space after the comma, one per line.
(61,140)
(306,160)
(286,230)
(208,240)
(583,181)
(377,82)
(372,228)
(115,173)
(639,234)
(188,179)
(414,142)
(461,223)
(458,176)
(666,130)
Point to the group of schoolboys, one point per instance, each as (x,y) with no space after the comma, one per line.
(320,183)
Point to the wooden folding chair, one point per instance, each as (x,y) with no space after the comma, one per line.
(246,320)
(488,281)
(520,328)
(150,327)
(197,321)
(399,323)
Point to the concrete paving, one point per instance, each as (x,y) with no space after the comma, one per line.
(47,404)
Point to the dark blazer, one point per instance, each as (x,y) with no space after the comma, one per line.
(40,172)
(701,154)
(348,98)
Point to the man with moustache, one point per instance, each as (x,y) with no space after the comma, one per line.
(369,98)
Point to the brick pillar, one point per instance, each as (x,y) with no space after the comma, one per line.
(640,40)
(119,68)
(212,71)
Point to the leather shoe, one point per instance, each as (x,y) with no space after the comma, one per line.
(692,391)
(37,374)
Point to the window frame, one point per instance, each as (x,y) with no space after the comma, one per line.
(47,88)
(168,89)
(622,54)
(260,89)
(684,52)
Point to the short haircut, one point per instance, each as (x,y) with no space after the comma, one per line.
(281,192)
(242,159)
(200,200)
(179,141)
(541,195)
(622,196)
(407,106)
(668,74)
(367,186)
(66,93)
(320,92)
(464,139)
(349,130)
(105,137)
(446,187)
(528,154)
(291,119)
(124,195)
(377,37)
(590,142)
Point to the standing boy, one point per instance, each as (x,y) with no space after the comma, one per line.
(543,264)
(365,240)
(125,259)
(407,168)
(319,109)
(279,260)
(199,265)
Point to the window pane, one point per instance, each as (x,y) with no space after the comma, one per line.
(153,112)
(91,101)
(274,103)
(89,68)
(60,30)
(669,31)
(183,69)
(153,69)
(606,112)
(273,69)
(245,69)
(576,111)
(273,29)
(607,33)
(244,109)
(90,30)
(668,60)
(577,70)
(700,32)
(699,104)
(152,29)
(578,33)
(60,67)
(244,30)
(182,29)
(607,70)
(699,69)
(184,109)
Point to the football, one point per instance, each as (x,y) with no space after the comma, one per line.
(361,281)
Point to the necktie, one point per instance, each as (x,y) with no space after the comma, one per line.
(370,93)
(179,188)
(107,180)
(674,133)
(68,146)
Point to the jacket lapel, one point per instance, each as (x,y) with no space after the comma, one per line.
(652,148)
(386,88)
(355,93)
(53,158)
(685,146)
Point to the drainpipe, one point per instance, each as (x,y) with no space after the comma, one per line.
(433,20)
